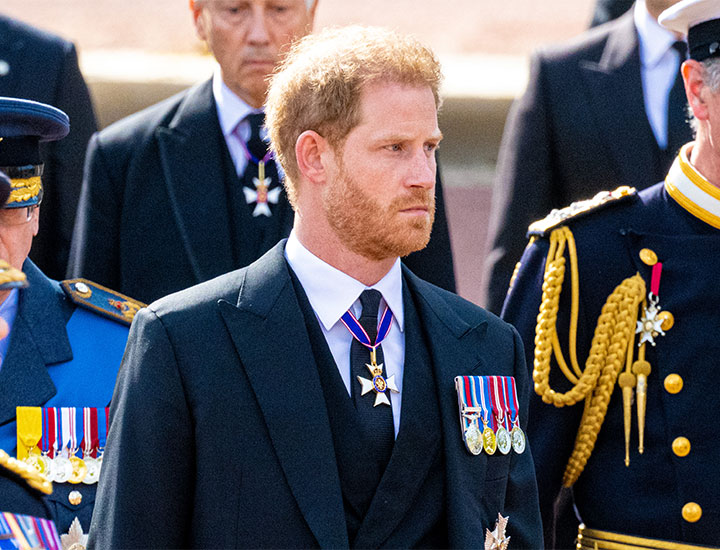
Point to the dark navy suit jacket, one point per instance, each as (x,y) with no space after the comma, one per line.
(220,435)
(153,216)
(580,128)
(44,67)
(646,498)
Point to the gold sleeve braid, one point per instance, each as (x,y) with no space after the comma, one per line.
(610,344)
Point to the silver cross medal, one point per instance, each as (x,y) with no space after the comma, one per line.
(260,195)
(650,325)
(379,384)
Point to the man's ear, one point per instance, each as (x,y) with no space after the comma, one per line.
(695,88)
(313,153)
(196,7)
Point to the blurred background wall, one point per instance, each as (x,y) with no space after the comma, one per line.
(136,52)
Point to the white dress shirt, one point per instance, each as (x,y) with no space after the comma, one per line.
(659,64)
(331,293)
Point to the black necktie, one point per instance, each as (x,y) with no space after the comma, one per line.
(258,148)
(375,422)
(679,131)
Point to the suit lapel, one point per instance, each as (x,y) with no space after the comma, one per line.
(193,173)
(38,339)
(267,328)
(614,88)
(456,349)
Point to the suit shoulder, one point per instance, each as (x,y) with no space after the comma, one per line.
(40,40)
(101,300)
(137,127)
(201,298)
(587,46)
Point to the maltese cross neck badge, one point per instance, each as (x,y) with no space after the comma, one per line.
(262,195)
(379,383)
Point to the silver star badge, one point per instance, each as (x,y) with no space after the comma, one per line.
(496,539)
(379,384)
(650,325)
(261,196)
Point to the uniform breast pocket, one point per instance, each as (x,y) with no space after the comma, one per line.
(68,502)
(496,479)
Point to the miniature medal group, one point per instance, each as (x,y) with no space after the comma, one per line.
(65,444)
(490,401)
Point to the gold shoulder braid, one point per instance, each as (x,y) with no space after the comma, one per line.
(33,478)
(612,346)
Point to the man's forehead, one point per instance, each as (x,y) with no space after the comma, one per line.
(308,3)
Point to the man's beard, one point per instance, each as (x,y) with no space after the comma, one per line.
(375,231)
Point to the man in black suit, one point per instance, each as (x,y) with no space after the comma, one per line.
(43,67)
(260,409)
(604,110)
(169,198)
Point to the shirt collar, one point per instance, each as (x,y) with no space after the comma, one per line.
(692,191)
(331,292)
(655,40)
(230,108)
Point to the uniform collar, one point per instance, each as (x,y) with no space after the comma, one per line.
(331,292)
(692,191)
(655,40)
(230,108)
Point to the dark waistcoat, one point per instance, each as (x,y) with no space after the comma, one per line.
(370,512)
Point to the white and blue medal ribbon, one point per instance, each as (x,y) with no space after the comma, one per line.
(488,434)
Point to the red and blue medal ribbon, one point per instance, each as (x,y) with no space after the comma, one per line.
(19,532)
(486,401)
(498,399)
(355,328)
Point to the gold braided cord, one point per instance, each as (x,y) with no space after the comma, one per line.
(33,478)
(613,334)
(24,189)
(610,344)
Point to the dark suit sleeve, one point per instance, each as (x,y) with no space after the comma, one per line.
(435,262)
(523,187)
(143,498)
(64,169)
(94,254)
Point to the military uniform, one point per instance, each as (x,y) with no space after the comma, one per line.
(669,491)
(66,339)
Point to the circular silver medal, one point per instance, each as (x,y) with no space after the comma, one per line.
(518,440)
(63,469)
(504,443)
(473,439)
(93,471)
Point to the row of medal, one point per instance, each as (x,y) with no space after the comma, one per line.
(67,445)
(489,414)
(19,531)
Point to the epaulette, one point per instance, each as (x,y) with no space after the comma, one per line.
(99,299)
(579,209)
(33,478)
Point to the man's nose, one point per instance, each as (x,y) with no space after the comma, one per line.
(258,26)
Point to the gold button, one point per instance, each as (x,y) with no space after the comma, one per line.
(691,512)
(681,446)
(648,257)
(673,383)
(75,498)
